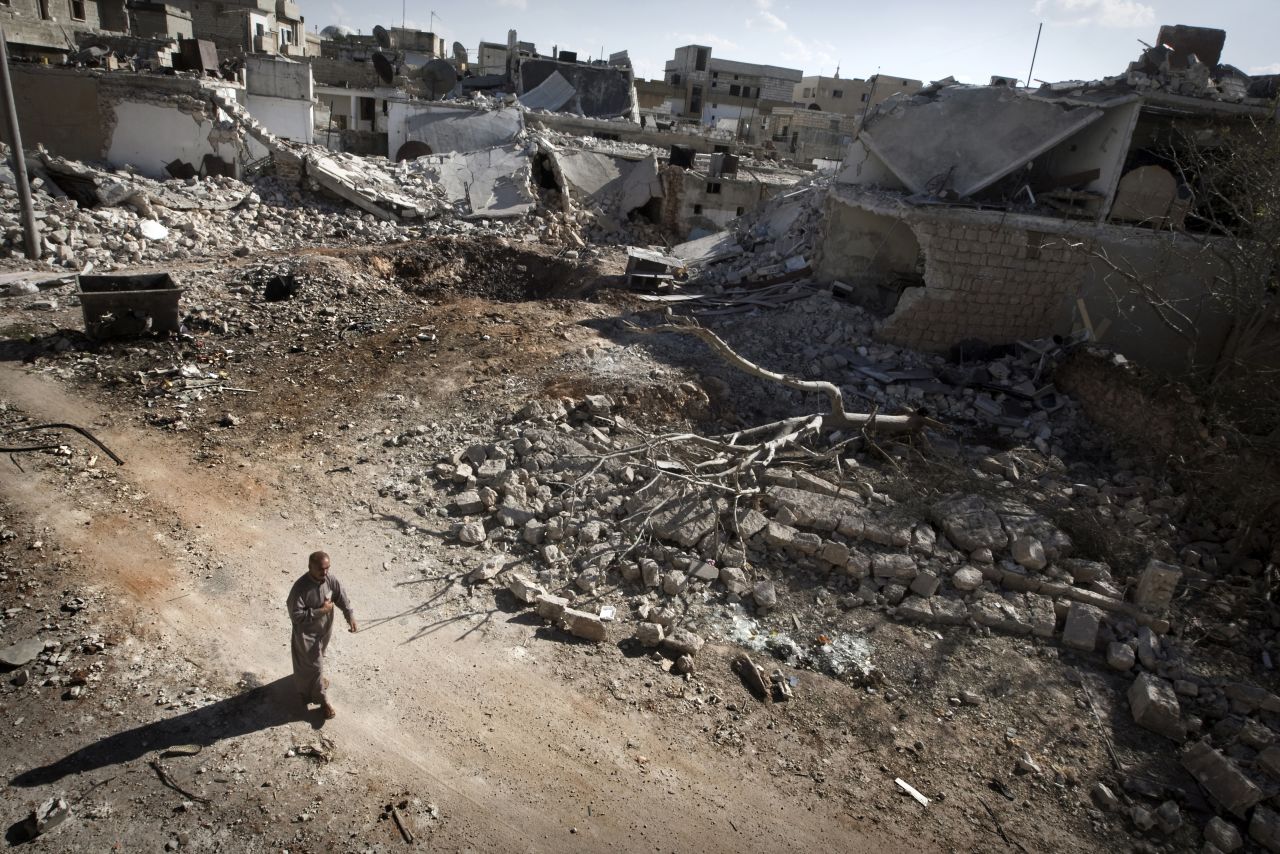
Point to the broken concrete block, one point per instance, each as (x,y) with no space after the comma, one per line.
(1040,613)
(1269,761)
(650,572)
(917,609)
(806,543)
(970,523)
(859,565)
(765,594)
(1081,630)
(1001,614)
(586,626)
(674,583)
(589,579)
(533,532)
(897,566)
(752,523)
(1246,698)
(1028,552)
(1120,657)
(490,469)
(20,653)
(778,535)
(524,588)
(649,634)
(949,612)
(706,571)
(1221,778)
(1156,584)
(45,818)
(925,584)
(1264,828)
(467,503)
(682,642)
(966,579)
(472,533)
(550,606)
(836,554)
(734,580)
(1155,707)
(1222,835)
(1148,648)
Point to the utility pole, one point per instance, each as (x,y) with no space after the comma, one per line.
(1034,51)
(29,228)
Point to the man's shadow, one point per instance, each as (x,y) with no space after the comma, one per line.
(259,708)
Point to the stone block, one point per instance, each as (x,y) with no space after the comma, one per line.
(1028,552)
(466,503)
(472,533)
(949,612)
(925,584)
(674,583)
(806,543)
(765,594)
(836,554)
(1081,630)
(1156,584)
(1222,835)
(751,523)
(900,567)
(550,606)
(1264,828)
(1120,657)
(917,609)
(1155,707)
(682,642)
(649,634)
(706,571)
(583,625)
(1041,615)
(524,588)
(779,535)
(734,580)
(1001,614)
(967,578)
(1221,778)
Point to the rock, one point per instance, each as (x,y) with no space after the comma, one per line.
(1156,584)
(706,571)
(1004,614)
(765,594)
(1169,817)
(46,817)
(1222,835)
(1268,760)
(649,634)
(896,566)
(1081,631)
(20,678)
(472,533)
(1104,797)
(1028,552)
(486,570)
(970,523)
(650,572)
(586,626)
(967,579)
(152,230)
(1120,657)
(1155,707)
(1221,778)
(523,588)
(674,583)
(1265,828)
(734,580)
(1148,648)
(550,606)
(682,642)
(20,653)
(684,664)
(925,584)
(916,609)
(1142,817)
(588,580)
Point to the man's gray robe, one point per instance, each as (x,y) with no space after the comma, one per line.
(312,630)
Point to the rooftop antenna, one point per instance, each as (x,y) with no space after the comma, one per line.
(837,71)
(1034,51)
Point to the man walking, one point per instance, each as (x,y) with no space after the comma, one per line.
(310,605)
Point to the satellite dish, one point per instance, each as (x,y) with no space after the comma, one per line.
(459,53)
(438,78)
(382,36)
(386,71)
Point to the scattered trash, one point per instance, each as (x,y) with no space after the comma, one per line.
(911,790)
(44,818)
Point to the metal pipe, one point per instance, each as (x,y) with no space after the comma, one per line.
(30,230)
(1034,51)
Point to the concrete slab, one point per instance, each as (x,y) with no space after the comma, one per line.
(966,138)
(494,182)
(609,183)
(553,94)
(447,129)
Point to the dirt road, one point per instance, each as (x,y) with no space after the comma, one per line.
(474,711)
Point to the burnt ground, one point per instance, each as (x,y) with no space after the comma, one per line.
(279,427)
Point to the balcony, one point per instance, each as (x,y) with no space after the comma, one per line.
(288,10)
(294,50)
(266,43)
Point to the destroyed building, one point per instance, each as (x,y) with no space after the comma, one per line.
(992,214)
(723,93)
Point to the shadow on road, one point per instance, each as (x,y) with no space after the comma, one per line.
(259,708)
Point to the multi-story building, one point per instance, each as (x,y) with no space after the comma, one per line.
(728,94)
(805,135)
(850,96)
(251,26)
(35,28)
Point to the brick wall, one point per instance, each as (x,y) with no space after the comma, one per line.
(987,281)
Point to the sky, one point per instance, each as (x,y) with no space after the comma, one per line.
(922,39)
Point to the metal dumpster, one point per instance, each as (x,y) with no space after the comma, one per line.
(127,306)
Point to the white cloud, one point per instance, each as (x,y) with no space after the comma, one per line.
(514,4)
(1273,68)
(765,18)
(1121,14)
(811,57)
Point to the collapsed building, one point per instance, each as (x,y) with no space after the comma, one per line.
(991,214)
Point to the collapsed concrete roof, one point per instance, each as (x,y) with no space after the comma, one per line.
(494,182)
